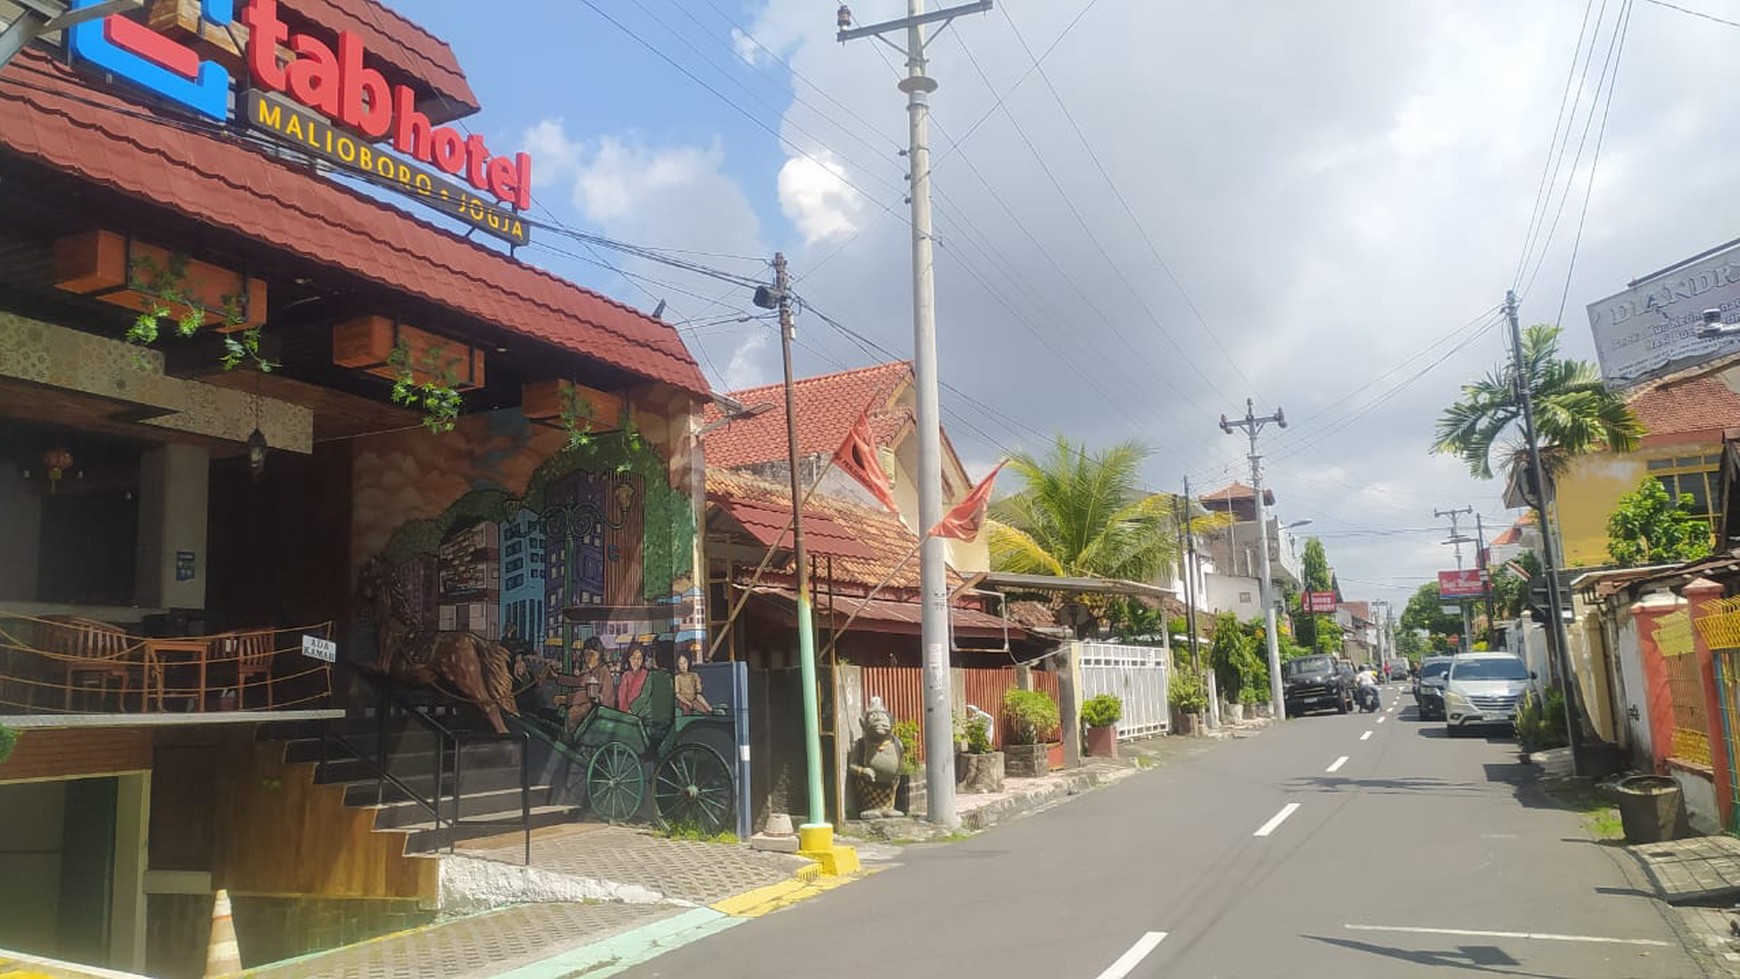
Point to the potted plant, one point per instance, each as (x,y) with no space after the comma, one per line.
(908,734)
(1252,699)
(1100,715)
(1032,718)
(1189,699)
(978,768)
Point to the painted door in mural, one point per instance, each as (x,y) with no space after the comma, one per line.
(574,526)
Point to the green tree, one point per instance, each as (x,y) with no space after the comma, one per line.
(1083,513)
(1510,590)
(1575,414)
(1425,611)
(1410,645)
(1234,656)
(1648,527)
(1307,628)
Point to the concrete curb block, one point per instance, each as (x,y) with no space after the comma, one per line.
(993,813)
(471,884)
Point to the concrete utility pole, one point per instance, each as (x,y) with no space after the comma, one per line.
(1549,567)
(817,832)
(1189,576)
(1252,425)
(933,572)
(1481,558)
(1458,540)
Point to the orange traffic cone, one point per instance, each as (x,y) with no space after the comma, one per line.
(222,956)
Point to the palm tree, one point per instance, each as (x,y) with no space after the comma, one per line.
(1083,513)
(1575,414)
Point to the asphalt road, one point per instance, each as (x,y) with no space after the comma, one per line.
(1419,854)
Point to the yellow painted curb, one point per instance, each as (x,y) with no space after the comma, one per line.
(763,900)
(834,860)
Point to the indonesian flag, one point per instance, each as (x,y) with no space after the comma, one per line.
(858,459)
(964,519)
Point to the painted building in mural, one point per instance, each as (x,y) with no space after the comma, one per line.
(522,586)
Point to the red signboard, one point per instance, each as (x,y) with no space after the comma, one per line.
(1319,602)
(1470,583)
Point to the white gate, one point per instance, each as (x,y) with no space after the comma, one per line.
(1136,675)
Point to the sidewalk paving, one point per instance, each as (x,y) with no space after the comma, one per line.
(686,890)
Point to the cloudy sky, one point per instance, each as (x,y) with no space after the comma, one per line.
(1318,206)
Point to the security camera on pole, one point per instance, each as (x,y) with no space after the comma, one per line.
(1252,425)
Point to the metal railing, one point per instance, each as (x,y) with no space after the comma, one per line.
(391,702)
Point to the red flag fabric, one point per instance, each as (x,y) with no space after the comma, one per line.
(964,519)
(857,458)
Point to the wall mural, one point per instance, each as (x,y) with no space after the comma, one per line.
(554,583)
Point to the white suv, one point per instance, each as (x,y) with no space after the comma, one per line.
(1483,689)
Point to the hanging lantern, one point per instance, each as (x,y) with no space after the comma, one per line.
(257,453)
(57,460)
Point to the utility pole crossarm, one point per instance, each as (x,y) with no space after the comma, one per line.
(916,20)
(1252,424)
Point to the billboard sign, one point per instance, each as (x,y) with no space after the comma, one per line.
(1651,328)
(1319,602)
(1470,583)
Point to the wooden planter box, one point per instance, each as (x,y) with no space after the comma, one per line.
(542,401)
(103,264)
(367,342)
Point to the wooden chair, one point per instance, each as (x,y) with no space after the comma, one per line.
(97,654)
(252,653)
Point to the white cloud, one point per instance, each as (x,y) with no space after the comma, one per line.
(814,194)
(557,156)
(746,369)
(745,47)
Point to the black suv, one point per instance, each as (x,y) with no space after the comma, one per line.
(1316,682)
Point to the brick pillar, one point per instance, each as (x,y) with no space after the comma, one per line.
(1657,696)
(1697,592)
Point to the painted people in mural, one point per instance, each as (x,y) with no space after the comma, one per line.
(691,698)
(583,577)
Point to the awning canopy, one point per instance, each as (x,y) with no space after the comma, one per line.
(887,615)
(771,525)
(1007,581)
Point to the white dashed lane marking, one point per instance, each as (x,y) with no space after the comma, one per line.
(1366,736)
(1277,819)
(1336,767)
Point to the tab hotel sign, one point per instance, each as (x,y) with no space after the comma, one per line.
(322,101)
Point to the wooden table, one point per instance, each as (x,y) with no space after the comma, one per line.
(161,654)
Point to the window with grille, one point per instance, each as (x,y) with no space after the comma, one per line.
(1699,477)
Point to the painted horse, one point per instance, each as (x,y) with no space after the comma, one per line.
(460,663)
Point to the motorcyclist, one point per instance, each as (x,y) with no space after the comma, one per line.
(1367,686)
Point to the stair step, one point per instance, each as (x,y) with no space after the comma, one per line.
(362,791)
(397,815)
(424,836)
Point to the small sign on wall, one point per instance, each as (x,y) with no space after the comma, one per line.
(324,650)
(185,562)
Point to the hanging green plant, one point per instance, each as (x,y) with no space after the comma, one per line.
(164,285)
(578,417)
(8,741)
(428,383)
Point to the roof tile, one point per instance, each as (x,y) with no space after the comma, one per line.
(826,406)
(49,115)
(1701,403)
(395,39)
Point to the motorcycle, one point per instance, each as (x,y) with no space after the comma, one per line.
(1368,699)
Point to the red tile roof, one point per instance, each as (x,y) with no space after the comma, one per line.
(771,525)
(1699,404)
(1238,491)
(890,542)
(827,408)
(1359,610)
(888,615)
(397,41)
(1510,536)
(50,115)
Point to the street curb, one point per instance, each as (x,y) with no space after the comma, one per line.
(986,816)
(624,950)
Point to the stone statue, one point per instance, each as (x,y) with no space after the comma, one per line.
(875,763)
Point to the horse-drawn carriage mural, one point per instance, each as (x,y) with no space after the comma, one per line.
(554,591)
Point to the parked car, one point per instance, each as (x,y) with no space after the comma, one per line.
(1316,683)
(1396,669)
(1483,689)
(1429,686)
